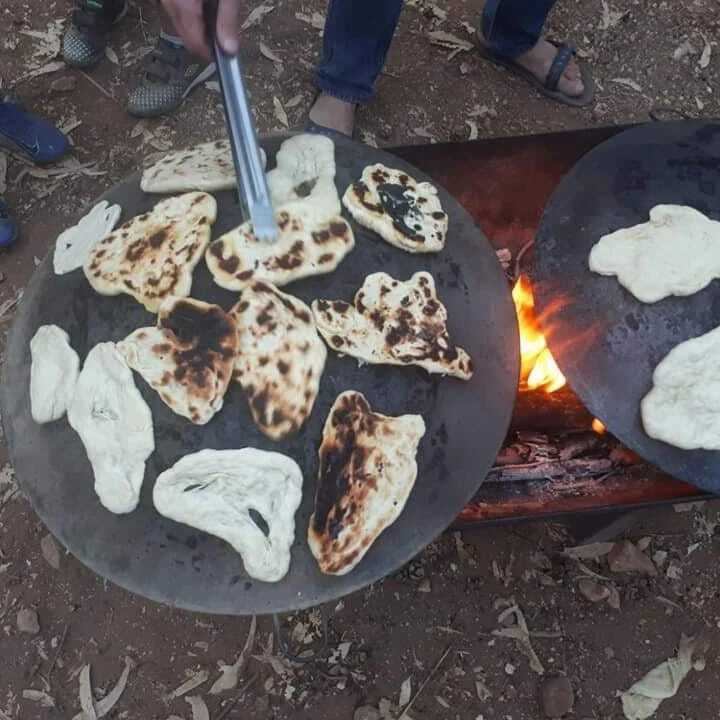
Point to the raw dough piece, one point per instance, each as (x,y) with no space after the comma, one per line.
(405,213)
(308,244)
(676,253)
(115,425)
(281,360)
(188,358)
(367,471)
(216,490)
(305,176)
(74,244)
(683,407)
(153,255)
(53,373)
(394,323)
(207,167)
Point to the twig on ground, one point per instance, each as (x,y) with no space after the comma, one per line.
(57,654)
(424,683)
(107,94)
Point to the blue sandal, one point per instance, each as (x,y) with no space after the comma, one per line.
(8,227)
(23,132)
(549,87)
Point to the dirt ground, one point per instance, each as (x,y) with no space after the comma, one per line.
(431,628)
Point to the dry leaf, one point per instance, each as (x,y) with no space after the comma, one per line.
(213,85)
(449,41)
(442,702)
(592,551)
(228,679)
(72,124)
(473,129)
(104,706)
(405,692)
(111,55)
(256,16)
(86,698)
(520,633)
(265,51)
(40,697)
(704,60)
(294,101)
(194,681)
(317,20)
(610,18)
(46,69)
(280,113)
(280,666)
(424,133)
(626,557)
(627,82)
(199,708)
(368,138)
(50,551)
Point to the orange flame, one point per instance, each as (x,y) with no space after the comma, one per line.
(538,368)
(598,426)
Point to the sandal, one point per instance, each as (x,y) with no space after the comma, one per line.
(549,88)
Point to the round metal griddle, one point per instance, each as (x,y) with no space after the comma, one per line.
(606,341)
(175,564)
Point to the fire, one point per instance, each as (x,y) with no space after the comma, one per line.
(598,426)
(538,368)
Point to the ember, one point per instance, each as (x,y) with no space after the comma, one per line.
(538,368)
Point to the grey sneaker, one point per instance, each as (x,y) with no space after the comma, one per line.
(169,76)
(85,39)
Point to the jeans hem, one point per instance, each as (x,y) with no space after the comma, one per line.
(329,87)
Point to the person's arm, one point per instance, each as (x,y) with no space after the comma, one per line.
(187,16)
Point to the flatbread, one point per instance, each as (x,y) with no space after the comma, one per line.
(367,471)
(188,358)
(54,371)
(683,407)
(153,256)
(394,323)
(217,490)
(281,360)
(73,245)
(403,212)
(307,244)
(305,176)
(207,167)
(676,253)
(115,426)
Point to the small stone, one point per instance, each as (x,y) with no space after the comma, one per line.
(510,669)
(424,586)
(592,590)
(27,621)
(367,712)
(625,557)
(557,697)
(63,84)
(609,653)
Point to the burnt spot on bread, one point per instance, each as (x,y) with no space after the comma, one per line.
(245,275)
(340,307)
(400,205)
(135,250)
(305,188)
(265,316)
(438,215)
(338,229)
(258,404)
(320,237)
(283,367)
(292,258)
(361,192)
(158,238)
(325,258)
(162,348)
(337,341)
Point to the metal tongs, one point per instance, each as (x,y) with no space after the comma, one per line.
(253,192)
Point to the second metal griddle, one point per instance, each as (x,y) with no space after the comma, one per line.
(175,564)
(606,341)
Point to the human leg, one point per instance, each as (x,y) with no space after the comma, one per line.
(512,30)
(355,45)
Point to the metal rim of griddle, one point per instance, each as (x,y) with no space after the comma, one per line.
(605,341)
(179,566)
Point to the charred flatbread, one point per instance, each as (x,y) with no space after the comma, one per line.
(153,256)
(367,471)
(188,358)
(281,360)
(308,244)
(394,323)
(402,211)
(207,167)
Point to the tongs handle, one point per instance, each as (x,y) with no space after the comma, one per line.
(253,191)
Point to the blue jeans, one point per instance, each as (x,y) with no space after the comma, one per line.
(358,34)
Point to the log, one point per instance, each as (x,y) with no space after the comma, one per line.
(550,469)
(550,412)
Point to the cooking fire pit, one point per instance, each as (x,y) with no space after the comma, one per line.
(557,459)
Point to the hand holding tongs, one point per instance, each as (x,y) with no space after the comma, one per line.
(252,186)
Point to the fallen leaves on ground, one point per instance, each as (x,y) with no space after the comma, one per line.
(103,707)
(627,82)
(256,16)
(280,113)
(643,698)
(627,557)
(199,708)
(229,674)
(195,680)
(520,633)
(40,697)
(450,42)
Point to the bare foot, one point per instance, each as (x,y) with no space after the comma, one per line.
(335,114)
(538,61)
